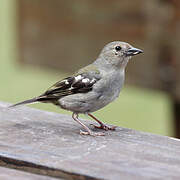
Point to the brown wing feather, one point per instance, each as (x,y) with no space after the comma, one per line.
(81,83)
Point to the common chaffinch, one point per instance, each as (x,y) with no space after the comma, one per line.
(93,86)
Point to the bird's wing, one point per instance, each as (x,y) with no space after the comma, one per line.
(79,83)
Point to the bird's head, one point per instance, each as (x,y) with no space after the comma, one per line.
(118,53)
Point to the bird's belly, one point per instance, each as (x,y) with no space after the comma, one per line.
(81,103)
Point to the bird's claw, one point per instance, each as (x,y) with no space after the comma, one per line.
(104,127)
(91,133)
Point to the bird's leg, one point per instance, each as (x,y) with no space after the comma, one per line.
(88,131)
(102,126)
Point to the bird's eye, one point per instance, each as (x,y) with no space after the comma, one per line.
(118,48)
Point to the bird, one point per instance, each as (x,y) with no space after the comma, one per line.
(92,87)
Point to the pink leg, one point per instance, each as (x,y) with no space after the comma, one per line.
(88,131)
(102,126)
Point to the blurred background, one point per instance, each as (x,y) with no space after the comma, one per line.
(42,41)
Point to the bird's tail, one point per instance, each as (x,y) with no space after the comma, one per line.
(29,101)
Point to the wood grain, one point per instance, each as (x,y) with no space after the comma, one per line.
(50,144)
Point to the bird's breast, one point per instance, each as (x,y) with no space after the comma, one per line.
(110,86)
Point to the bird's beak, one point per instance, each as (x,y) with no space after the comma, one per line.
(133,51)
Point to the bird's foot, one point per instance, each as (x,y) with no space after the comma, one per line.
(104,127)
(91,133)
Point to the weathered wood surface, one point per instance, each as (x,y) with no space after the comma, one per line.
(11,174)
(49,144)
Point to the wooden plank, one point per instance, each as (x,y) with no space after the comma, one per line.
(49,143)
(9,174)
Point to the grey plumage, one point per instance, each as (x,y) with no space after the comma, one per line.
(93,86)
